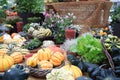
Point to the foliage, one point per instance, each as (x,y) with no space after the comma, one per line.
(3,4)
(30,6)
(26,27)
(34,19)
(116,15)
(58,24)
(89,48)
(2,15)
(32,44)
(13,20)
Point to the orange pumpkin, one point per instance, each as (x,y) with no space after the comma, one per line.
(57,58)
(55,49)
(5,62)
(74,69)
(3,51)
(45,65)
(17,56)
(44,54)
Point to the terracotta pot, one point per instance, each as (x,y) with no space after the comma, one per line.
(70,34)
(19,26)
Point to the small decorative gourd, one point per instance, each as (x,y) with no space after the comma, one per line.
(17,56)
(57,58)
(60,74)
(74,69)
(5,62)
(32,61)
(44,54)
(45,65)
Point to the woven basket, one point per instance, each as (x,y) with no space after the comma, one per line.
(108,56)
(39,73)
(41,38)
(92,13)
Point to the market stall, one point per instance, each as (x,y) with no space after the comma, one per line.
(71,40)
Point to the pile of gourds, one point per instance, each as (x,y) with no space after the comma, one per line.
(46,59)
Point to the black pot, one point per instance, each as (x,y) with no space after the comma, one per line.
(116,29)
(25,17)
(60,0)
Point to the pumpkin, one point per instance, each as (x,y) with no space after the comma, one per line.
(3,51)
(5,62)
(55,49)
(45,65)
(32,61)
(44,54)
(6,36)
(17,56)
(57,58)
(15,35)
(74,69)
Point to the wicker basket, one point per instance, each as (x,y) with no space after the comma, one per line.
(108,56)
(39,73)
(92,13)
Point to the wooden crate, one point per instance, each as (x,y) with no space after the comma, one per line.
(92,13)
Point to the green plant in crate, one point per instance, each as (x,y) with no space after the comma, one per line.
(89,48)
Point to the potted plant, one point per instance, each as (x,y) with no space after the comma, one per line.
(29,8)
(13,21)
(58,24)
(116,22)
(2,15)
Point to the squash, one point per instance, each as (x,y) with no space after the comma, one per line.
(3,51)
(44,54)
(74,69)
(32,61)
(13,35)
(45,65)
(55,49)
(57,58)
(5,62)
(17,56)
(59,74)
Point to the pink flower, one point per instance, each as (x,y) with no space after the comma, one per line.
(45,14)
(66,17)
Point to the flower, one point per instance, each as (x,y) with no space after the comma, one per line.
(58,23)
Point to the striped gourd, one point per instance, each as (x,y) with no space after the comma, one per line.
(5,62)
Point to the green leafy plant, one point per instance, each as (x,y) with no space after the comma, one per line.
(2,15)
(116,15)
(13,20)
(3,4)
(30,6)
(89,48)
(34,19)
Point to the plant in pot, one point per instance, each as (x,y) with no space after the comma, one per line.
(13,21)
(58,24)
(30,8)
(116,22)
(72,31)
